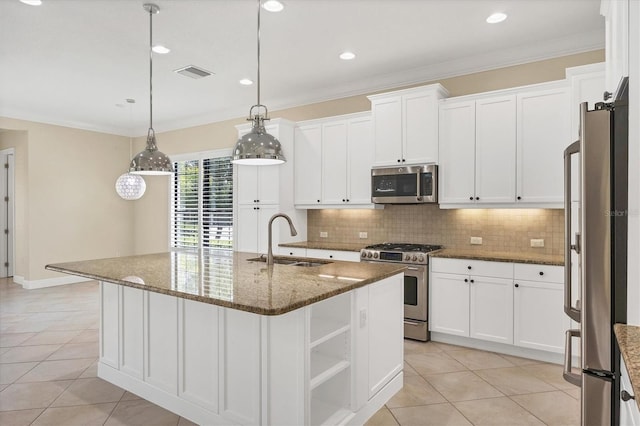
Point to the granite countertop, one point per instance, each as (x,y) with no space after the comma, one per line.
(496,256)
(628,337)
(228,279)
(322,245)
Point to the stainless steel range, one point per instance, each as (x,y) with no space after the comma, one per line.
(416,281)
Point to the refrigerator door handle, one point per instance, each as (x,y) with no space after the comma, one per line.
(572,312)
(573,378)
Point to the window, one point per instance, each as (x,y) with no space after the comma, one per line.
(202,202)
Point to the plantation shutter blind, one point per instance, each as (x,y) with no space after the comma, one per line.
(202,205)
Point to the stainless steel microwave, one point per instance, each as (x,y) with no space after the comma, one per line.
(404,184)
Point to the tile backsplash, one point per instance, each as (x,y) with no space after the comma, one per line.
(500,229)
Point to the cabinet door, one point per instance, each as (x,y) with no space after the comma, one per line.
(307,165)
(360,159)
(387,130)
(246,184)
(334,162)
(616,15)
(496,150)
(544,131)
(268,183)
(539,319)
(246,228)
(449,304)
(420,128)
(456,171)
(491,309)
(386,312)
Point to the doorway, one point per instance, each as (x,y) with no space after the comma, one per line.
(7,184)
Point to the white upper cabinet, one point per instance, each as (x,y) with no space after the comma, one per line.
(544,131)
(616,15)
(496,149)
(258,184)
(456,171)
(334,156)
(307,164)
(504,148)
(405,125)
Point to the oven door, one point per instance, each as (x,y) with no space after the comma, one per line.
(415,293)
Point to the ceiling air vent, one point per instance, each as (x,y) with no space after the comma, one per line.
(193,72)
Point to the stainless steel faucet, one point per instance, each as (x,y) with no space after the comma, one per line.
(291,228)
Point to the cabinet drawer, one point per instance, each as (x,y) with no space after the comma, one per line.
(349,256)
(472,267)
(543,273)
(292,251)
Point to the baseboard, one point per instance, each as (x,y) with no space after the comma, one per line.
(47,282)
(552,357)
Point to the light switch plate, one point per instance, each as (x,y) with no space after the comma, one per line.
(363,235)
(324,234)
(476,240)
(537,242)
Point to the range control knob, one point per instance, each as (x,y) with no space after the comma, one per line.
(363,254)
(375,255)
(414,258)
(421,258)
(369,255)
(407,257)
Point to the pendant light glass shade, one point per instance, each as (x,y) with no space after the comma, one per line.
(258,148)
(151,161)
(130,186)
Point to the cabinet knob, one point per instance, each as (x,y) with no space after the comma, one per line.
(330,256)
(477,198)
(471,281)
(398,160)
(318,200)
(466,280)
(347,200)
(517,285)
(541,273)
(607,95)
(469,267)
(403,160)
(519,197)
(626,396)
(257,201)
(343,200)
(290,253)
(471,198)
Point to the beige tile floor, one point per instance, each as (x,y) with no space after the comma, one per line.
(49,349)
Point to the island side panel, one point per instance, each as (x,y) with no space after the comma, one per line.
(109,324)
(131,331)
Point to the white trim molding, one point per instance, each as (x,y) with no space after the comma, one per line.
(47,282)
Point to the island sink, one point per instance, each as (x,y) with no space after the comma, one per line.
(291,262)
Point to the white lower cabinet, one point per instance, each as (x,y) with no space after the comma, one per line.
(513,304)
(336,361)
(629,411)
(347,256)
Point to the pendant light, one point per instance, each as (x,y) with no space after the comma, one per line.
(258,147)
(129,186)
(151,161)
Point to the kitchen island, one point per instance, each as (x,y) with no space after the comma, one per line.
(219,338)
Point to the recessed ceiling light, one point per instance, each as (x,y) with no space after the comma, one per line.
(32,2)
(347,56)
(496,17)
(246,82)
(158,48)
(272,6)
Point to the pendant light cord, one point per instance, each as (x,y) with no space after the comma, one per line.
(151,11)
(258,53)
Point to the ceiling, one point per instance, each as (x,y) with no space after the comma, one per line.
(74,62)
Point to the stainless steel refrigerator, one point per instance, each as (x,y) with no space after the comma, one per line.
(600,240)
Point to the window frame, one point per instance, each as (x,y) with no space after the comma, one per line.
(199,156)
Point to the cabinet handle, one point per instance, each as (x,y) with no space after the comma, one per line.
(519,197)
(517,285)
(626,396)
(607,95)
(469,267)
(541,273)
